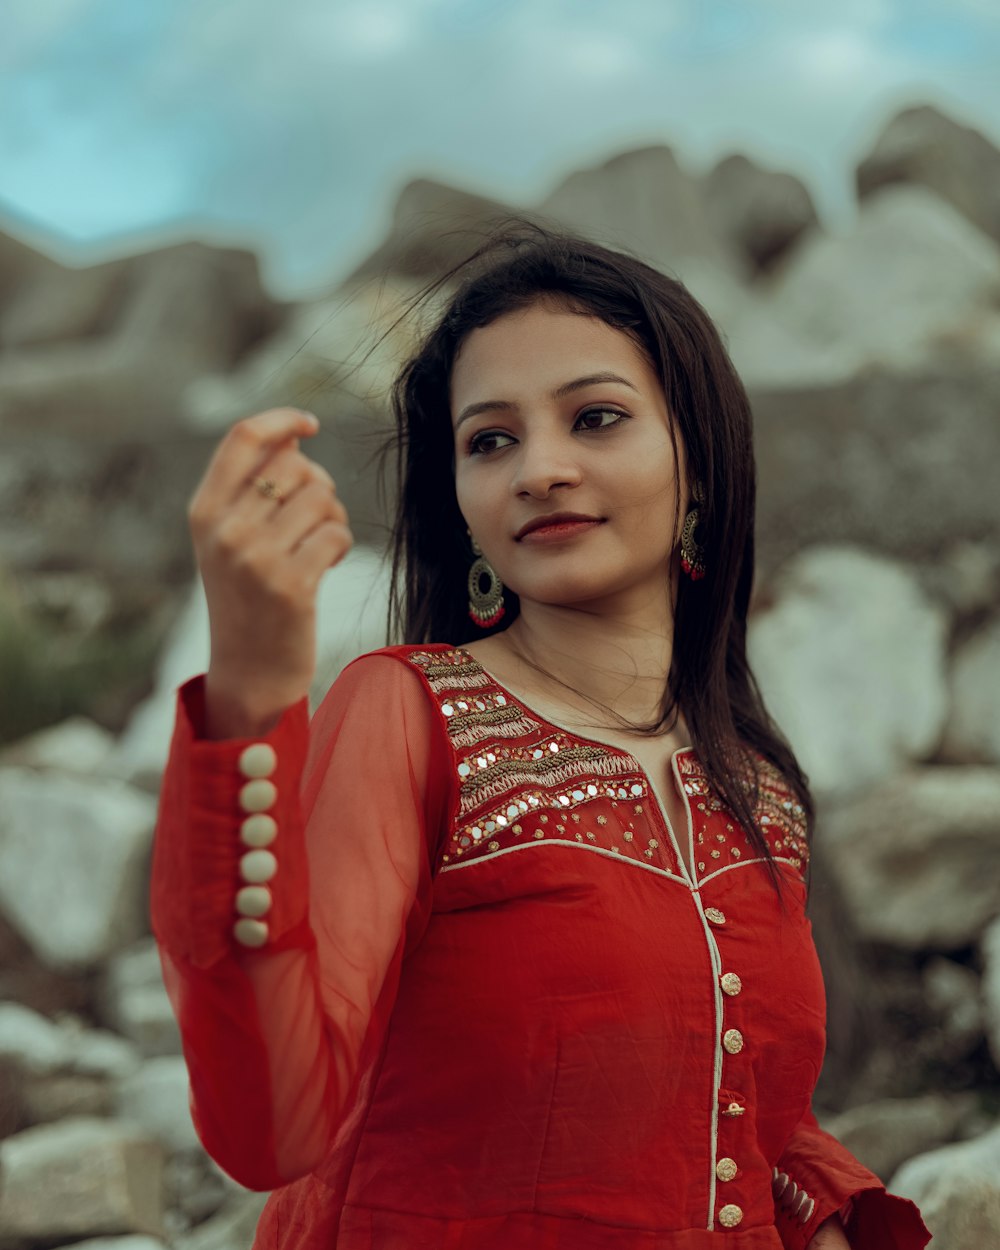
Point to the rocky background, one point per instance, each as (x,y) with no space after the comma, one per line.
(873,361)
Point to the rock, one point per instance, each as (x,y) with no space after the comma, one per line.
(951,991)
(195,1189)
(850,658)
(44,302)
(75,745)
(73,863)
(861,294)
(644,202)
(957,1191)
(918,857)
(46,1099)
(351,608)
(233,1228)
(34,1043)
(870,462)
(135,1000)
(155,1098)
(973,728)
(884,1134)
(184,310)
(990,947)
(761,213)
(434,227)
(133,1242)
(79,1178)
(925,147)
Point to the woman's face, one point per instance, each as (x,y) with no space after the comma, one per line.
(544,436)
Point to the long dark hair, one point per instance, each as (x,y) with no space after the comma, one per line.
(709,679)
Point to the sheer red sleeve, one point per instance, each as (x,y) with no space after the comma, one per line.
(817,1176)
(276,1036)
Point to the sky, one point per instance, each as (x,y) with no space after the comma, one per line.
(290,126)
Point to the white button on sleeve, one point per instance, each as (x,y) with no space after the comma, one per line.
(258,796)
(253,900)
(250,932)
(256,867)
(259,760)
(258,830)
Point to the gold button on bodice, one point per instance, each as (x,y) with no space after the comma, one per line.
(731,983)
(726,1169)
(730,1215)
(714,915)
(732,1039)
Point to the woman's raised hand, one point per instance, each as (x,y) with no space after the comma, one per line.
(262,550)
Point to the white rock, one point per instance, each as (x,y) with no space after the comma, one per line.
(850,659)
(73,858)
(133,1241)
(957,1190)
(973,730)
(861,291)
(33,1042)
(990,986)
(135,1000)
(79,1178)
(155,1098)
(351,611)
(75,745)
(917,857)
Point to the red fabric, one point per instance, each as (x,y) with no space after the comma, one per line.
(490,1010)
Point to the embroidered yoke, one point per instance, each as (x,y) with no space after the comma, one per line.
(491,1007)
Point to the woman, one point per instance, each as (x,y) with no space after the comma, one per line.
(507,948)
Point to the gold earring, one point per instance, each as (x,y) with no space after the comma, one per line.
(485,606)
(692,554)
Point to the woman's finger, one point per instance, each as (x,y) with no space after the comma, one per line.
(247,447)
(322,548)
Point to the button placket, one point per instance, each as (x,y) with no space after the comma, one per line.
(258,865)
(730,1214)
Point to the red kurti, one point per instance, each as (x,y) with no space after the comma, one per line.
(493,1010)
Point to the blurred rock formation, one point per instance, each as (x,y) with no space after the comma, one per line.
(873,363)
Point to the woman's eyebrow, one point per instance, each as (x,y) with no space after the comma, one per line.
(505,405)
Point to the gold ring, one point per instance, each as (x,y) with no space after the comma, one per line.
(268,488)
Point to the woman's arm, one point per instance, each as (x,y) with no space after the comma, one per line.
(275,1036)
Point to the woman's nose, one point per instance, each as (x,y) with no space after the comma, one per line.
(545,462)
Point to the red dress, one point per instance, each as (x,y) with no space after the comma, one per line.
(493,1010)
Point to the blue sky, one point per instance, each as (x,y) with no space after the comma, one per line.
(290,125)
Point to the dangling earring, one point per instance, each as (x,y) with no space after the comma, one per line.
(485,606)
(693,555)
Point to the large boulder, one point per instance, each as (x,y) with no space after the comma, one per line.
(957,1190)
(883,462)
(73,861)
(924,146)
(351,619)
(918,857)
(645,202)
(862,296)
(133,1000)
(973,730)
(434,228)
(43,302)
(759,212)
(850,657)
(185,310)
(884,1134)
(82,1177)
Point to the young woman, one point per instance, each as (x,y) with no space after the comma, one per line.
(506,949)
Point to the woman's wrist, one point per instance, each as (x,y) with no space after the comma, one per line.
(242,710)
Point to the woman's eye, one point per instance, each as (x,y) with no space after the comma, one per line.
(476,447)
(597,412)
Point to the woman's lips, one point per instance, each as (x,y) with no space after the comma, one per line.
(558,532)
